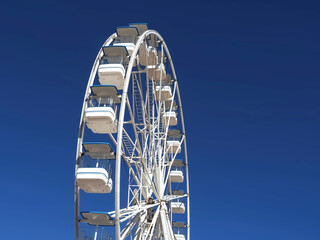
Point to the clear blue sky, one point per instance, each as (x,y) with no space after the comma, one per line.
(249,80)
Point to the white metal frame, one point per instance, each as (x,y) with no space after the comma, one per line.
(135,214)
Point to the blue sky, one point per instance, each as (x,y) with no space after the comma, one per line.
(249,79)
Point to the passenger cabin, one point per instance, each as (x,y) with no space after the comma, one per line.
(97,218)
(142,27)
(157,72)
(178,163)
(94,232)
(178,192)
(167,105)
(112,67)
(92,175)
(101,112)
(173,146)
(148,55)
(176,176)
(178,207)
(127,37)
(179,225)
(163,89)
(170,118)
(179,237)
(173,142)
(163,93)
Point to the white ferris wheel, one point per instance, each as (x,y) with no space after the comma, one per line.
(131,148)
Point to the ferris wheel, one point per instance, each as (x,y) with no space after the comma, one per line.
(131,151)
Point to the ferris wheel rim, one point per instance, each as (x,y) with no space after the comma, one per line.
(120,127)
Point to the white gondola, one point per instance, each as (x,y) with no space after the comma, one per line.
(100,114)
(178,163)
(178,207)
(112,74)
(94,180)
(170,118)
(163,93)
(173,146)
(176,176)
(178,192)
(157,72)
(167,105)
(98,150)
(126,36)
(148,52)
(179,224)
(180,237)
(112,71)
(129,46)
(101,119)
(97,218)
(152,56)
(142,27)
